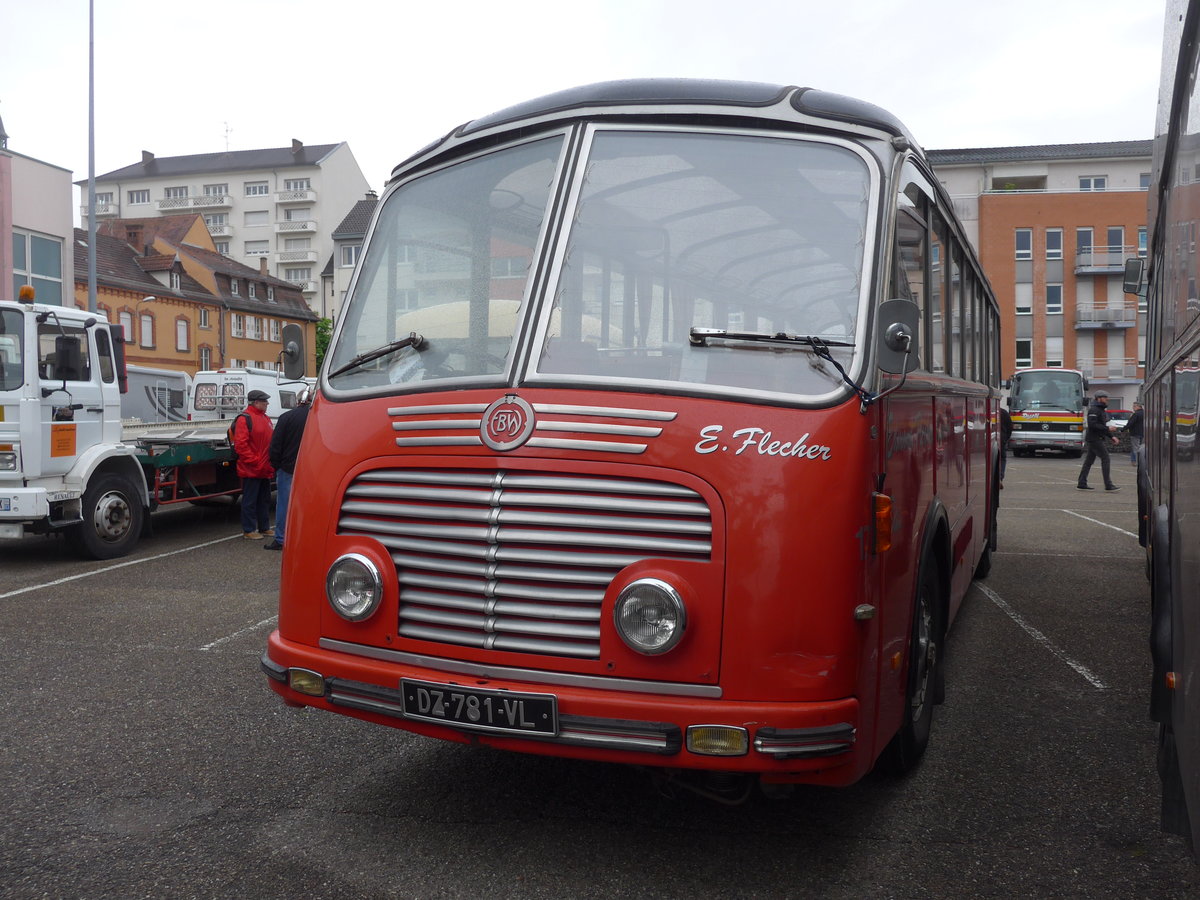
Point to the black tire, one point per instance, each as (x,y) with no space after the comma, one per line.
(112,519)
(984,567)
(909,743)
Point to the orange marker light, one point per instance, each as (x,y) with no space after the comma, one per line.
(1172,681)
(883,522)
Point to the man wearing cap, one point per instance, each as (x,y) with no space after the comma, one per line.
(1095,433)
(251,439)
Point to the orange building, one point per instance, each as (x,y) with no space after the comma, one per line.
(1053,226)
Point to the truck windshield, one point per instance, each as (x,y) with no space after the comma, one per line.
(11,349)
(666,231)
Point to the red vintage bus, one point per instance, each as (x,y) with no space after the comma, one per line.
(659,428)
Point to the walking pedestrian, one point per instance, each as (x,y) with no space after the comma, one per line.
(251,438)
(1006,430)
(1134,429)
(285,444)
(1096,432)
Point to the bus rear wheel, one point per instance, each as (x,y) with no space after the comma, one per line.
(112,519)
(909,743)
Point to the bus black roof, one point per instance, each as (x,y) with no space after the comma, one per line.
(746,95)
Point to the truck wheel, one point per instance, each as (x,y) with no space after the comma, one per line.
(112,519)
(908,746)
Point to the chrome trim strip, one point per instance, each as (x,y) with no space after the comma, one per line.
(598,428)
(440,442)
(465,424)
(438,410)
(509,673)
(600,446)
(612,412)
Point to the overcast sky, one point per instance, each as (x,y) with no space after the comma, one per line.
(389,76)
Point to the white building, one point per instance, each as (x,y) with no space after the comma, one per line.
(348,239)
(35,226)
(279,204)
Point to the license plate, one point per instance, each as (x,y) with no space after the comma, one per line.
(5,504)
(507,712)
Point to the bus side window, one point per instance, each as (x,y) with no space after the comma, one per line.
(937,295)
(911,257)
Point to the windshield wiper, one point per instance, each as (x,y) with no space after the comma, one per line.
(699,337)
(413,340)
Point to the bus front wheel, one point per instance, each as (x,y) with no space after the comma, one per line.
(909,743)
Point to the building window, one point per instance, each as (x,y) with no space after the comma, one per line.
(298,275)
(1024,243)
(297,184)
(204,323)
(258,248)
(213,220)
(1024,353)
(1023,299)
(271,293)
(181,335)
(1116,242)
(37,261)
(298,215)
(302,243)
(1144,180)
(275,330)
(1093,182)
(106,198)
(138,197)
(1054,299)
(126,319)
(216,190)
(256,188)
(205,357)
(174,279)
(1054,352)
(250,289)
(254,328)
(175,193)
(222,247)
(1054,243)
(1142,241)
(256,217)
(350,254)
(237,324)
(233,287)
(146,338)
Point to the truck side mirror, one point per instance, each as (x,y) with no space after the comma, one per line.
(293,353)
(1134,269)
(896,342)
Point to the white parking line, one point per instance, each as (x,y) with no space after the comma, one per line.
(1034,633)
(229,637)
(120,565)
(1098,522)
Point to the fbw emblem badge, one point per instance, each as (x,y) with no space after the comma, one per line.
(507,423)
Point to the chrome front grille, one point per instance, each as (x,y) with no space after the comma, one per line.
(515,560)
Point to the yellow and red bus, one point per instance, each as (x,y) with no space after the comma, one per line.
(1048,410)
(659,428)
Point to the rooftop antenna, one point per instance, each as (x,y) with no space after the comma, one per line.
(228,131)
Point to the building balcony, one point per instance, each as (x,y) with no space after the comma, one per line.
(172,204)
(306,226)
(103,210)
(212,201)
(1106,317)
(220,230)
(296,256)
(1108,369)
(1103,260)
(307,196)
(309,287)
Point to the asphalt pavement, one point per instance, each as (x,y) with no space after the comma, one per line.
(144,756)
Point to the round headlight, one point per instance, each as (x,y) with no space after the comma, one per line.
(353,587)
(650,616)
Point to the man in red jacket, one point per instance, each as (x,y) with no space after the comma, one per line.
(251,438)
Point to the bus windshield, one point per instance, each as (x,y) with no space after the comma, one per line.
(667,232)
(1048,390)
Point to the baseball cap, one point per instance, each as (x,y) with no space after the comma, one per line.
(257,395)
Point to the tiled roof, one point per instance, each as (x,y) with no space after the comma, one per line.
(356,221)
(289,300)
(1040,153)
(158,262)
(117,266)
(229,161)
(171,229)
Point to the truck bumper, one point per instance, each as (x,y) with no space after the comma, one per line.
(812,742)
(31,508)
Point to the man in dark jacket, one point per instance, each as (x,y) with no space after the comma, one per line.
(1134,429)
(251,438)
(285,444)
(1006,430)
(1096,433)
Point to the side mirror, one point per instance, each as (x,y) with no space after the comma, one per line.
(896,345)
(293,353)
(1134,269)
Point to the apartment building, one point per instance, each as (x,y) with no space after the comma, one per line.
(184,305)
(35,226)
(1053,226)
(277,205)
